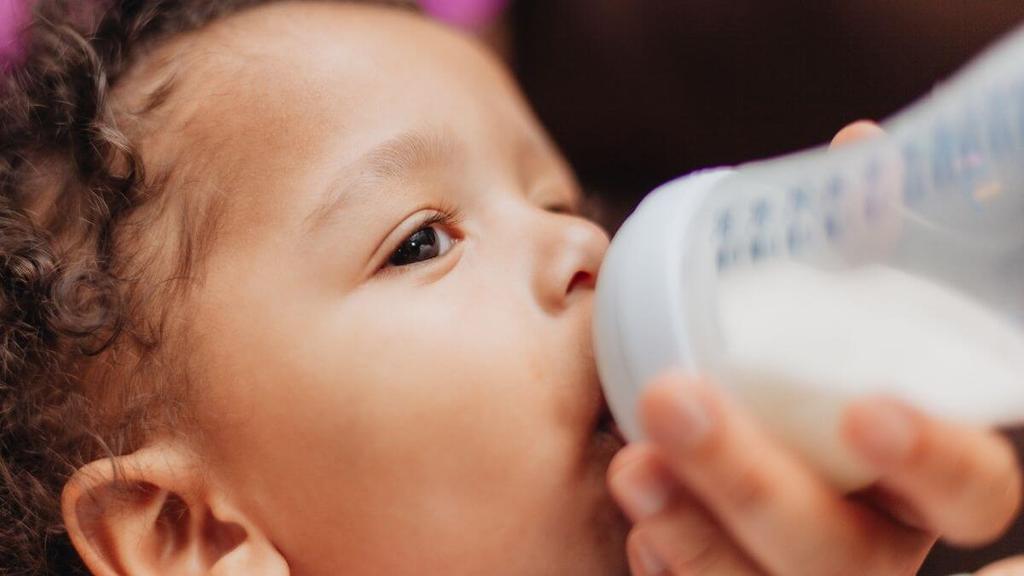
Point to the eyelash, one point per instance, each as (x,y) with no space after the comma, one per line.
(447,216)
(450,217)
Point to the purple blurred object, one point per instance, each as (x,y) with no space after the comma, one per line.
(469,14)
(13,17)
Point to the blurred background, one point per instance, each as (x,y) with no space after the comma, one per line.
(639,91)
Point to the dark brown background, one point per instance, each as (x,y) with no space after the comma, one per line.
(639,91)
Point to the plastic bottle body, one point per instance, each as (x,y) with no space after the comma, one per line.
(894,266)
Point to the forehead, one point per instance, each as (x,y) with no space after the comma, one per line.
(274,92)
(302,66)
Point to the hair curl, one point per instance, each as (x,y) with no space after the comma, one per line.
(69,175)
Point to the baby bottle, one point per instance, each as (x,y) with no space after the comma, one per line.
(891,266)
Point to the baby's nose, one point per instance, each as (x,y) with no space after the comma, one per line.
(571,253)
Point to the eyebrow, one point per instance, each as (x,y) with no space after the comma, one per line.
(394,159)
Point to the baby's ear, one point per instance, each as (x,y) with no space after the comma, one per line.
(152,512)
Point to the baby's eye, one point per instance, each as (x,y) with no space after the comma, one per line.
(428,242)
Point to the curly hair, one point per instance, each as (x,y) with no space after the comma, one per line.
(79,321)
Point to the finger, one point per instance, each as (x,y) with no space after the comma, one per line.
(1009,567)
(673,534)
(787,518)
(872,205)
(642,561)
(640,483)
(965,483)
(688,542)
(858,130)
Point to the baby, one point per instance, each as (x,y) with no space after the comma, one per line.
(302,288)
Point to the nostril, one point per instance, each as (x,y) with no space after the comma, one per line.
(580,279)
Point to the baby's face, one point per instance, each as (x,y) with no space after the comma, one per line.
(393,329)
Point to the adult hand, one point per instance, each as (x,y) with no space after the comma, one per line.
(712,493)
(1009,567)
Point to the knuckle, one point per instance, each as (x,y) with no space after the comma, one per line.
(747,489)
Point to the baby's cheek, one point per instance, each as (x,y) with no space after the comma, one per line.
(433,420)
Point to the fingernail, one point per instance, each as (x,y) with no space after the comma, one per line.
(888,433)
(641,491)
(691,423)
(649,561)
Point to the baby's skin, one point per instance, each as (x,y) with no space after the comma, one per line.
(391,355)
